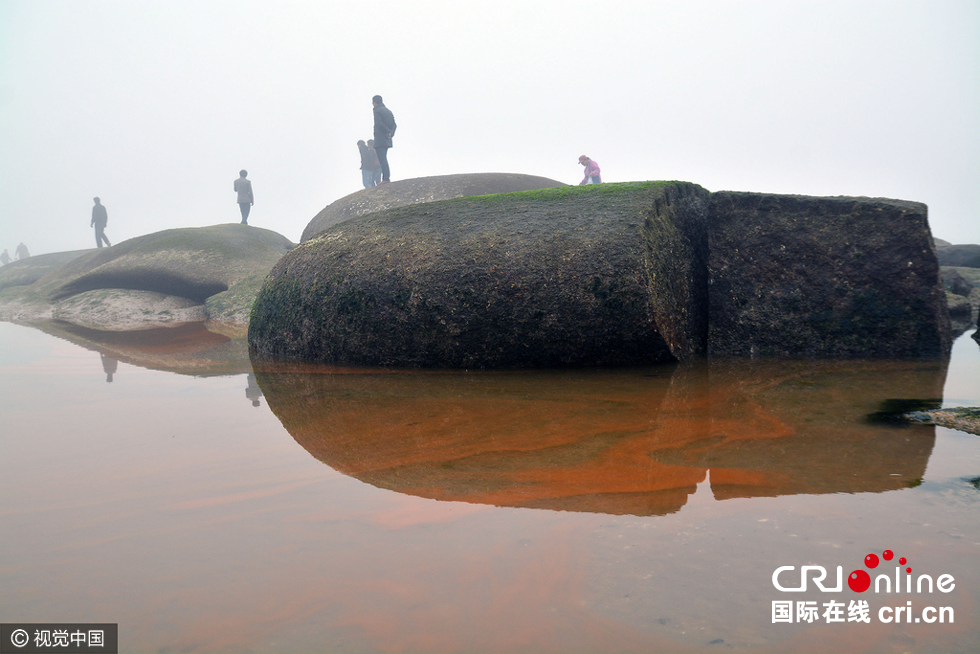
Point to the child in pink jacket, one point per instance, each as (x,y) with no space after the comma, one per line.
(591,171)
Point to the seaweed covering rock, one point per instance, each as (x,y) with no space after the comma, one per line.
(809,276)
(602,275)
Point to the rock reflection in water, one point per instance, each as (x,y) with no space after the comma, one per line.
(622,441)
(190,348)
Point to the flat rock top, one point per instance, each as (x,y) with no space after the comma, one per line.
(419,190)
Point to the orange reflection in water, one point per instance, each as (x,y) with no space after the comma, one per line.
(619,442)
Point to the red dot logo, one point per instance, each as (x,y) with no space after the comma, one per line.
(887,555)
(901,561)
(909,570)
(871,560)
(859,581)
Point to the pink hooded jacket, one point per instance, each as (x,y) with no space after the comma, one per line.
(591,170)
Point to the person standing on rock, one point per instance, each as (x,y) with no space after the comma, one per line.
(591,171)
(384,130)
(367,164)
(99,220)
(4,258)
(21,252)
(245,200)
(375,163)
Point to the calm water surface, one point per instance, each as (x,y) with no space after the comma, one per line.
(207,507)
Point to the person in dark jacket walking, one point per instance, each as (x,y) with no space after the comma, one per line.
(384,130)
(99,220)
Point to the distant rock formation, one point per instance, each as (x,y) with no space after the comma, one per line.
(27,271)
(823,277)
(609,275)
(966,256)
(170,277)
(418,190)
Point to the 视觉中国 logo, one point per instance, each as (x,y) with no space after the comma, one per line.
(892,596)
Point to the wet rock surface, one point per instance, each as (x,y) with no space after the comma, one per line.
(962,418)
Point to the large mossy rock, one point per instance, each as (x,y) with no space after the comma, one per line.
(419,190)
(174,276)
(611,274)
(809,276)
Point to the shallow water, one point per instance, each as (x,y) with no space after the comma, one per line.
(307,509)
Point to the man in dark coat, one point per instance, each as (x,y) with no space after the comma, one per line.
(99,220)
(384,130)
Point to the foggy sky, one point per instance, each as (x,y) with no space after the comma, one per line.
(156,106)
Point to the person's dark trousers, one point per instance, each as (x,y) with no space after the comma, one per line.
(383,158)
(245,207)
(100,236)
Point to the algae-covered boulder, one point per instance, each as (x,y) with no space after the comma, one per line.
(598,275)
(421,189)
(809,276)
(174,276)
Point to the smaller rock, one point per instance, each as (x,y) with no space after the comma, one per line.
(955,283)
(962,418)
(967,256)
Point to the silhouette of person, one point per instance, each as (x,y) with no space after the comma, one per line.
(591,171)
(252,391)
(5,258)
(375,163)
(384,130)
(367,160)
(99,220)
(109,366)
(21,252)
(245,199)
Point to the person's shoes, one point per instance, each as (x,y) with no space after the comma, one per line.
(386,181)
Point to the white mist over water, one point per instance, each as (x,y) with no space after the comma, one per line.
(155,106)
